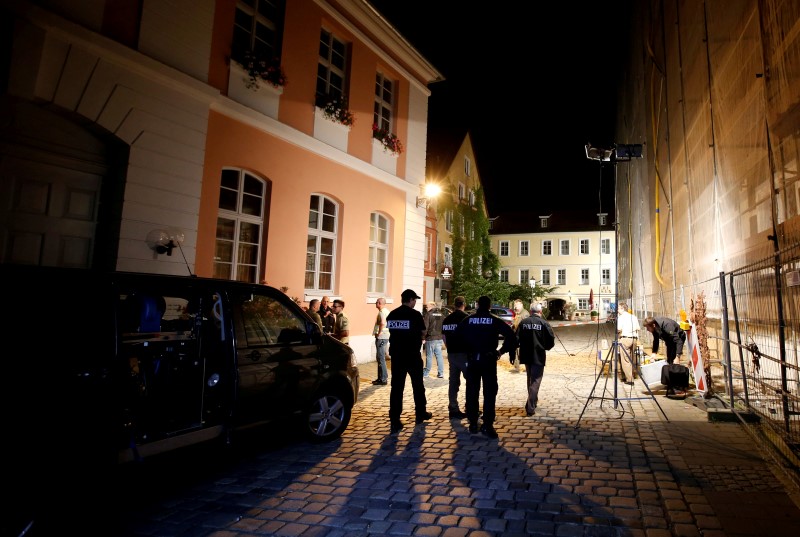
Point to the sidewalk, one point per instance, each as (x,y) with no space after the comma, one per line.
(620,469)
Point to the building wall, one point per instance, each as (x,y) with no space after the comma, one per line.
(573,263)
(180,106)
(715,104)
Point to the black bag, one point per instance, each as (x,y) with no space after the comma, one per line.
(675,376)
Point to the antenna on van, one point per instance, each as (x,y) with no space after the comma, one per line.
(184,259)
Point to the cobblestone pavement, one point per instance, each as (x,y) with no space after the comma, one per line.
(586,464)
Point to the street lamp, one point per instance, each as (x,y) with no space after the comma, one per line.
(429,191)
(532,283)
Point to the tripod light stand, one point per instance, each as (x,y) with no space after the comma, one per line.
(620,153)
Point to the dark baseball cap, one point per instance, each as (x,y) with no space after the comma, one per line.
(408,294)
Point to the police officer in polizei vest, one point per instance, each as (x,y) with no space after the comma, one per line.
(406,327)
(481,332)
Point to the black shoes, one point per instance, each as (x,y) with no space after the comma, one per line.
(396,427)
(473,428)
(380,382)
(423,417)
(488,430)
(457,415)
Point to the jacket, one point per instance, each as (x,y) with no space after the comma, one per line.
(672,334)
(453,342)
(433,324)
(481,332)
(405,332)
(535,337)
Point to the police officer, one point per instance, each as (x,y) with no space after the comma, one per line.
(405,341)
(535,337)
(456,355)
(481,332)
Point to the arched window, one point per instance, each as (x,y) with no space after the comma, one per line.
(378,253)
(323,225)
(240,220)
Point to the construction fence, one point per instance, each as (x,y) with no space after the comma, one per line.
(752,319)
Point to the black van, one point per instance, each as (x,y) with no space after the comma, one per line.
(119,366)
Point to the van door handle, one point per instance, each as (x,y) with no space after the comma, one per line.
(254,356)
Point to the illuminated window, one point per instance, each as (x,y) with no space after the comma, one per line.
(240,220)
(323,225)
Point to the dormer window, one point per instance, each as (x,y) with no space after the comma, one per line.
(602,218)
(543,220)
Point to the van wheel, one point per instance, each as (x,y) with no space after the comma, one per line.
(327,417)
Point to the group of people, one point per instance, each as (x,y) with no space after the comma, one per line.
(472,343)
(330,317)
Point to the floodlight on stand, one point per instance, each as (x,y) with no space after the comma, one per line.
(429,191)
(598,153)
(627,151)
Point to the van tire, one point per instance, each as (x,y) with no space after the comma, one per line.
(327,417)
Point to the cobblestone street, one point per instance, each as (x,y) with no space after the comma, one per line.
(619,471)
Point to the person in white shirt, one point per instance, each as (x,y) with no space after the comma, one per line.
(627,336)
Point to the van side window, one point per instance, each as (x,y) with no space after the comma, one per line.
(266,321)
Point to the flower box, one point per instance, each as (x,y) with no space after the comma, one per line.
(382,158)
(265,98)
(328,131)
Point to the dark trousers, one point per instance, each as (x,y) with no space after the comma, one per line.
(411,365)
(458,367)
(534,378)
(481,370)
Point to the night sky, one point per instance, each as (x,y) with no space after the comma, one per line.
(533,82)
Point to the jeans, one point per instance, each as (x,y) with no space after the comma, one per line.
(434,347)
(380,357)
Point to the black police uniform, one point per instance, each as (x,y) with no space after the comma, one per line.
(406,327)
(481,332)
(456,358)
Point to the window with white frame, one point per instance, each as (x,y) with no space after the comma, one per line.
(462,192)
(602,218)
(384,103)
(504,249)
(547,247)
(584,246)
(472,198)
(605,277)
(240,221)
(583,303)
(543,220)
(378,253)
(561,277)
(467,166)
(605,246)
(258,27)
(545,276)
(323,225)
(331,70)
(564,247)
(524,276)
(448,255)
(448,221)
(504,275)
(524,248)
(584,276)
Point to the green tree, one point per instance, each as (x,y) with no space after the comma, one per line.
(476,268)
